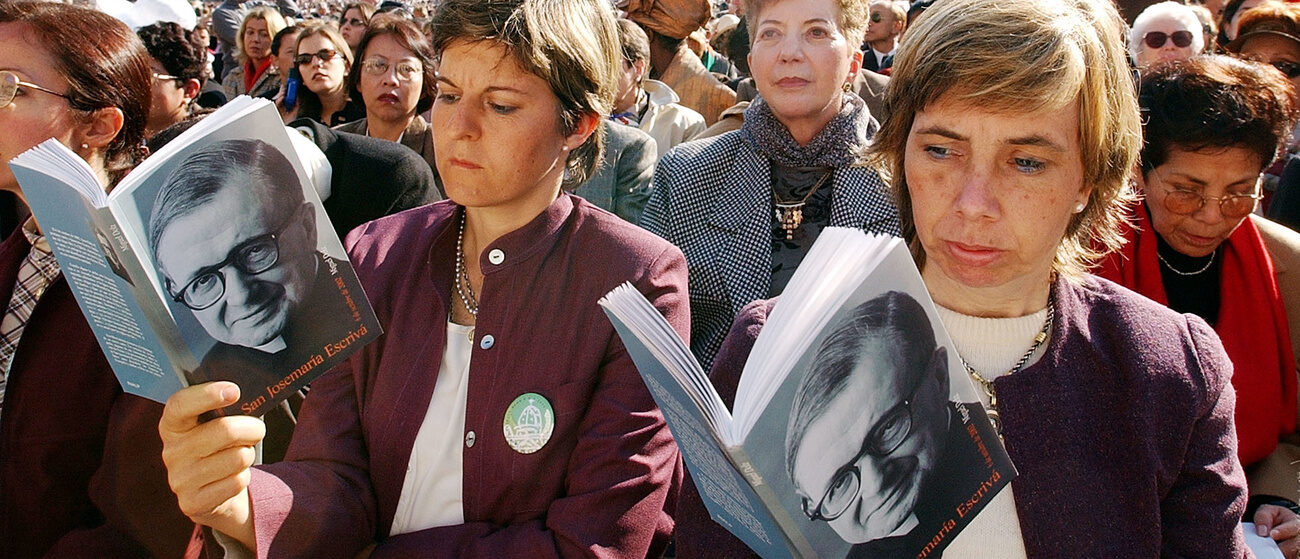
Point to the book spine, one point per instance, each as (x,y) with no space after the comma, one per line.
(795,539)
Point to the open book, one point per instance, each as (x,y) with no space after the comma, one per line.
(855,430)
(212,260)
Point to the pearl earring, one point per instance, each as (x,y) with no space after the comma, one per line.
(1078,208)
(85,146)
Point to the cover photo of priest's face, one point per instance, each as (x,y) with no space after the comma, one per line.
(870,420)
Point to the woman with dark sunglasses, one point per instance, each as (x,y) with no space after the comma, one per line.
(81,473)
(354,22)
(1165,31)
(324,59)
(1196,248)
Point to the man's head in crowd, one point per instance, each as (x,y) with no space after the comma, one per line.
(235,240)
(887,21)
(869,420)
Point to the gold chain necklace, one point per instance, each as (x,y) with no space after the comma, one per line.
(790,214)
(987,384)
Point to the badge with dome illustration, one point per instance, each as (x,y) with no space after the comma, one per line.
(529,423)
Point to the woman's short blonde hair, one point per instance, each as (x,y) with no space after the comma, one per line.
(854,15)
(572,44)
(274,23)
(1021,56)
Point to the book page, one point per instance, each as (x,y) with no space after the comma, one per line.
(875,443)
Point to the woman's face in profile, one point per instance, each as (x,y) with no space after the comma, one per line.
(391,79)
(801,59)
(496,130)
(322,76)
(992,193)
(33,115)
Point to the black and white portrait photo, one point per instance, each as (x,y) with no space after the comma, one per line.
(874,447)
(235,242)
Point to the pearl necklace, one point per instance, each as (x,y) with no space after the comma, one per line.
(987,384)
(462,277)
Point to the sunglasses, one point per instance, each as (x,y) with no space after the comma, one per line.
(353,22)
(1290,69)
(1156,39)
(877,18)
(325,55)
(9,84)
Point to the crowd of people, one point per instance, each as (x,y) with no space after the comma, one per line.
(1104,214)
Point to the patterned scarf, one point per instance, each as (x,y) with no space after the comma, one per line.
(837,145)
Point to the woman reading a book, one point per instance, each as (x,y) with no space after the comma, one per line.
(499,415)
(79,477)
(324,60)
(1013,133)
(745,207)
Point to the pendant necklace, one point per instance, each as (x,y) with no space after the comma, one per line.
(790,214)
(463,288)
(987,384)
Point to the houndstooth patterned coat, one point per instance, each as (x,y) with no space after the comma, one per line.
(713,199)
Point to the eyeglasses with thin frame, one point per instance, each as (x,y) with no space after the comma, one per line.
(378,66)
(252,257)
(882,439)
(1156,39)
(1183,201)
(9,84)
(165,77)
(325,55)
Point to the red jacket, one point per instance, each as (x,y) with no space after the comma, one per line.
(604,485)
(81,472)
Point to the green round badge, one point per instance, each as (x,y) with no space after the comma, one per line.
(529,423)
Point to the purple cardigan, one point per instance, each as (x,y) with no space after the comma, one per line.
(81,472)
(605,484)
(1122,434)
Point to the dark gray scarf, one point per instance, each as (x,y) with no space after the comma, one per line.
(838,144)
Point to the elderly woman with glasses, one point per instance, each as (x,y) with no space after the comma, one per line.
(1196,247)
(395,81)
(80,473)
(1165,31)
(324,60)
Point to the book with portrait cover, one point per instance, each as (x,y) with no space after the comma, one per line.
(856,431)
(211,260)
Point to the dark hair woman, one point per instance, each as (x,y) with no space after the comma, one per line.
(1213,125)
(81,473)
(480,425)
(394,77)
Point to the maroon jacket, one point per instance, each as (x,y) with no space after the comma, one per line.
(81,471)
(604,485)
